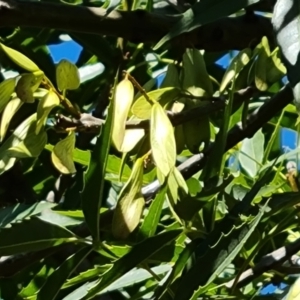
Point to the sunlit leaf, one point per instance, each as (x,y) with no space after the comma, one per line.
(162,140)
(130,203)
(171,78)
(67,76)
(20,59)
(123,100)
(46,104)
(235,67)
(131,138)
(252,152)
(142,107)
(7,87)
(260,65)
(9,111)
(62,154)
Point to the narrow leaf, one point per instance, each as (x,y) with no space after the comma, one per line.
(55,281)
(9,111)
(138,254)
(20,59)
(6,89)
(32,235)
(215,260)
(149,225)
(46,104)
(94,177)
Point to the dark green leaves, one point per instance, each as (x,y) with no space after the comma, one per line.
(204,12)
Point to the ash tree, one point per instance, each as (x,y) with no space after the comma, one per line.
(116,186)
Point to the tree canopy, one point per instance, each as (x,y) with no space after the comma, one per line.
(120,185)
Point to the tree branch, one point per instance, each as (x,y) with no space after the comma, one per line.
(136,26)
(268,262)
(88,123)
(254,122)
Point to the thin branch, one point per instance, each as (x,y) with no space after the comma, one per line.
(268,262)
(136,26)
(88,123)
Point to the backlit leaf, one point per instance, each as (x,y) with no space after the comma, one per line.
(195,77)
(142,107)
(130,204)
(9,111)
(162,140)
(46,104)
(235,67)
(7,87)
(62,155)
(123,100)
(67,76)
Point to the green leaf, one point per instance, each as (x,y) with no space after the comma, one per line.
(20,59)
(196,132)
(46,104)
(137,255)
(260,65)
(204,12)
(94,177)
(7,87)
(80,156)
(162,139)
(67,76)
(62,155)
(251,153)
(195,77)
(142,107)
(87,275)
(215,261)
(33,235)
(130,203)
(27,85)
(235,67)
(55,281)
(24,133)
(171,78)
(286,26)
(131,138)
(20,211)
(151,220)
(9,111)
(177,269)
(122,103)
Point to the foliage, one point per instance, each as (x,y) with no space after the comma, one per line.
(121,187)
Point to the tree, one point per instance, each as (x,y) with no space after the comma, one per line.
(118,187)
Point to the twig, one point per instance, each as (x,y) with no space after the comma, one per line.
(268,262)
(136,26)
